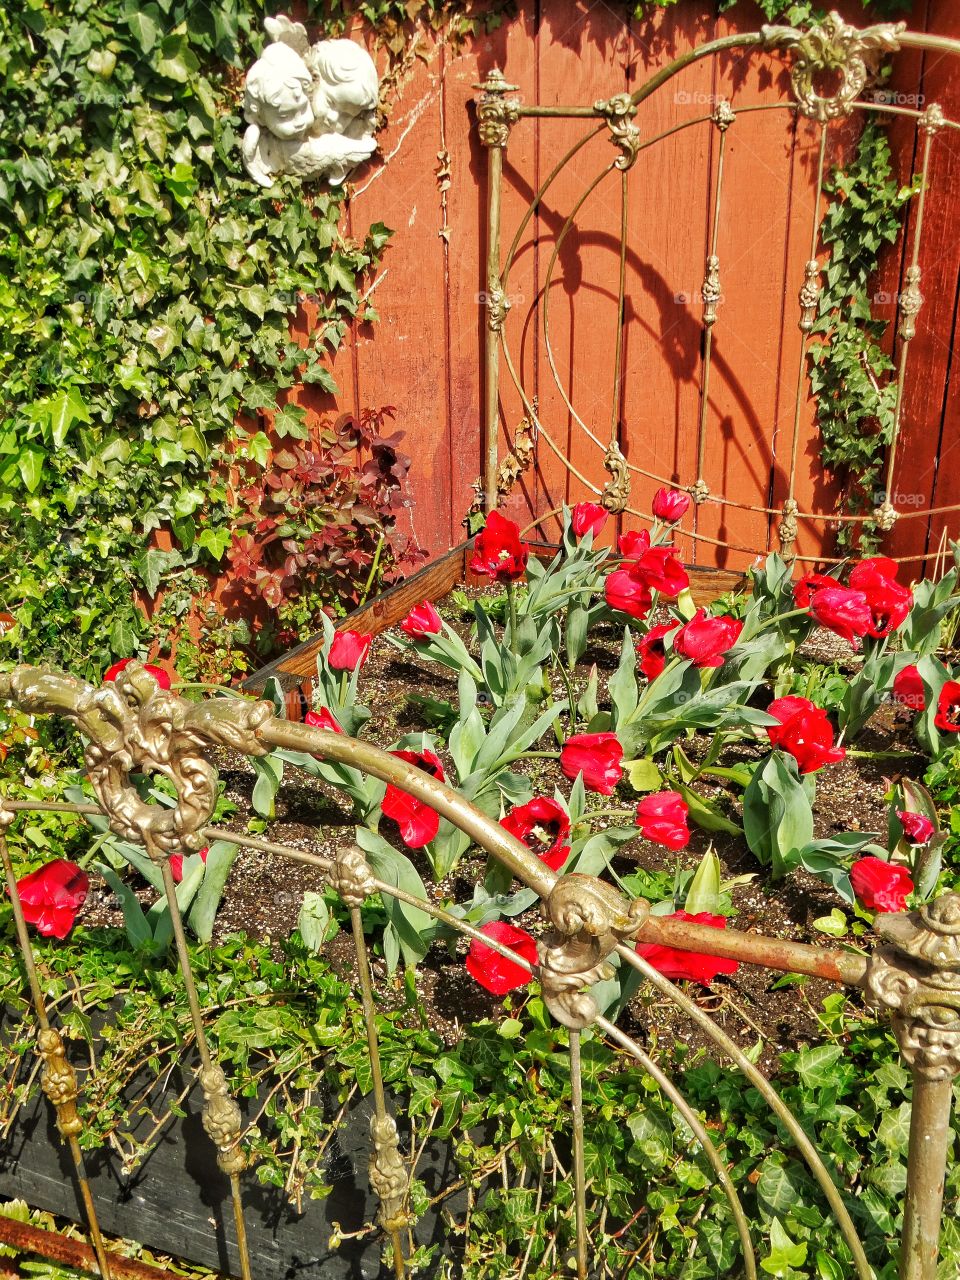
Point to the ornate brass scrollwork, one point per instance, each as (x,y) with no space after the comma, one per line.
(388,1173)
(132,725)
(616,492)
(833,46)
(351,876)
(496,112)
(915,972)
(809,295)
(588,919)
(911,300)
(619,112)
(710,290)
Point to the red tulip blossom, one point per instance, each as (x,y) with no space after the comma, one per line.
(844,611)
(662,818)
(543,826)
(634,544)
(670,505)
(625,591)
(916,826)
(805,732)
(948,708)
(161,677)
(597,756)
(176,863)
(652,651)
(418,822)
(908,689)
(349,650)
(888,601)
(322,719)
(705,640)
(422,620)
(588,517)
(498,552)
(660,570)
(495,972)
(881,886)
(804,589)
(52,895)
(690,965)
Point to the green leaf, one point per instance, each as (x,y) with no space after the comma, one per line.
(644,775)
(704,891)
(315,921)
(30,462)
(221,856)
(143,24)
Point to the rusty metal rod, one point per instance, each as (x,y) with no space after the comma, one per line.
(930,1138)
(74,1253)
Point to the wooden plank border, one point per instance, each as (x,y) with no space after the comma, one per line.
(432,583)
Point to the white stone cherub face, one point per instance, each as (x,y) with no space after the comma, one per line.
(277,94)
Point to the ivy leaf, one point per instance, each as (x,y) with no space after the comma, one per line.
(177,60)
(215,541)
(145,28)
(30,464)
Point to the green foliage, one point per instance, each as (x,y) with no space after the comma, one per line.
(147,298)
(851,376)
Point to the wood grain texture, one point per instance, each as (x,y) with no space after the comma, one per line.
(294,669)
(426,355)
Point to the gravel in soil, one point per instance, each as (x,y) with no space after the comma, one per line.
(760,1012)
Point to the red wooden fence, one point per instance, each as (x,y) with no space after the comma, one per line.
(425,355)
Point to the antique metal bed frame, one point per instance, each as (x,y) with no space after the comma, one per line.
(832,48)
(133,726)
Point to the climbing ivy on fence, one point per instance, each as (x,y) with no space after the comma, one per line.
(146,294)
(851,375)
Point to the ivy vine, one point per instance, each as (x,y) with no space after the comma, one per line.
(851,376)
(147,290)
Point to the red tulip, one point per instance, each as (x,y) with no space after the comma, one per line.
(652,651)
(705,640)
(588,517)
(161,677)
(660,570)
(498,552)
(322,719)
(888,601)
(422,620)
(495,972)
(633,544)
(662,818)
(916,827)
(670,505)
(948,708)
(349,650)
(543,826)
(844,611)
(52,895)
(908,689)
(176,863)
(597,756)
(418,822)
(881,886)
(625,591)
(804,589)
(690,965)
(805,732)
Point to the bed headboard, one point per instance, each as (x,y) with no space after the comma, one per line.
(595,389)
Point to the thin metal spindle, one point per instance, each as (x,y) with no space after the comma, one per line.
(910,302)
(621,296)
(354,881)
(579,1170)
(809,298)
(57,1078)
(495,113)
(221,1115)
(710,295)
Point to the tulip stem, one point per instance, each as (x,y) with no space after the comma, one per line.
(609,813)
(344,682)
(537,755)
(883,755)
(512,602)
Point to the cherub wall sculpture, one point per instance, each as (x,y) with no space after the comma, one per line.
(310,109)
